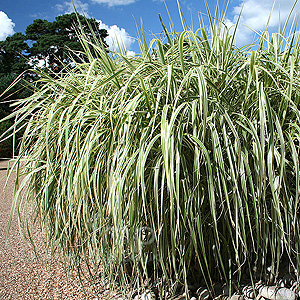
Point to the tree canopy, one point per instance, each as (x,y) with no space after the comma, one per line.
(44,44)
(13,54)
(51,39)
(47,41)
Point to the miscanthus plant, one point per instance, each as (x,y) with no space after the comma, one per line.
(176,166)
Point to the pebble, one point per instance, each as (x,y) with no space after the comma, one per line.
(236,297)
(285,294)
(248,292)
(203,293)
(221,297)
(268,292)
(181,297)
(275,293)
(296,288)
(280,283)
(144,296)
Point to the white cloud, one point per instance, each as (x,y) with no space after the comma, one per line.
(255,15)
(130,53)
(67,7)
(111,3)
(6,26)
(117,36)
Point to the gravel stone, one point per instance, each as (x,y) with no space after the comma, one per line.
(23,275)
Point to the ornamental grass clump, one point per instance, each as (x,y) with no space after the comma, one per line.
(177,166)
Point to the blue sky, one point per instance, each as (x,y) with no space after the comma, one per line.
(118,16)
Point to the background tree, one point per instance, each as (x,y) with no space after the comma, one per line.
(13,62)
(13,55)
(51,39)
(46,44)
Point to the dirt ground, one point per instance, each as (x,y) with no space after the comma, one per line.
(22,274)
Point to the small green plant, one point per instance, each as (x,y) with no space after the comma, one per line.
(178,165)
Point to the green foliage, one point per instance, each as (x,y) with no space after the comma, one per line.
(19,90)
(13,62)
(51,39)
(51,43)
(196,144)
(5,146)
(12,58)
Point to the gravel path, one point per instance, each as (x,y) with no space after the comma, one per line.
(22,275)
